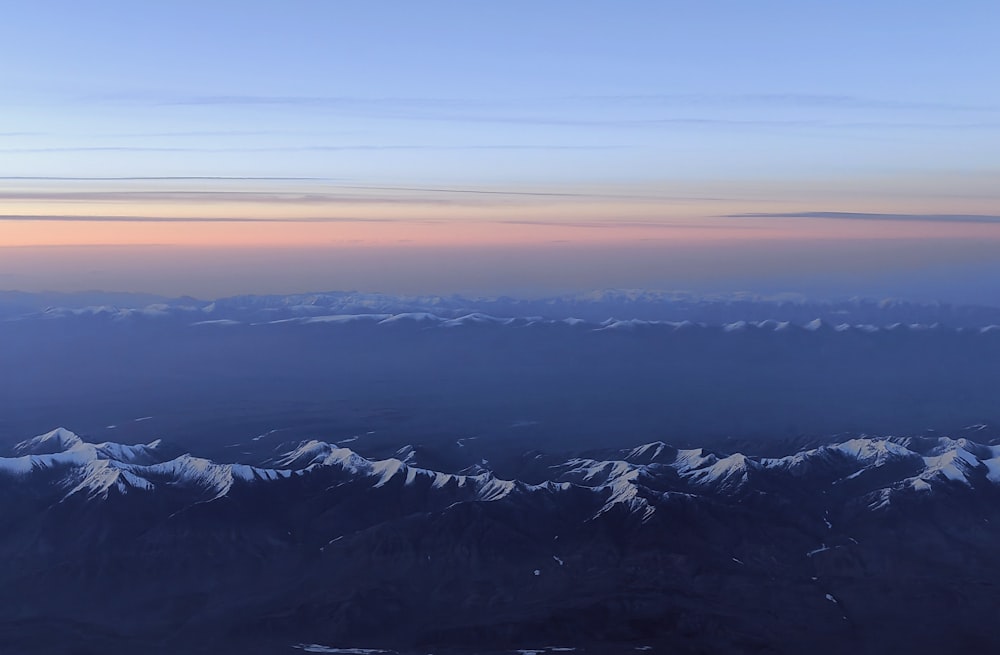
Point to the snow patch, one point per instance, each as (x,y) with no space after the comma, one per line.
(317,648)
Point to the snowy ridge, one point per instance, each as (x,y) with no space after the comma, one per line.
(883,467)
(313,455)
(918,464)
(95,470)
(455,313)
(100,476)
(61,448)
(858,453)
(631,309)
(206,476)
(158,310)
(874,470)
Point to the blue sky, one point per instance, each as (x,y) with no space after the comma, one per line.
(662,113)
(495,93)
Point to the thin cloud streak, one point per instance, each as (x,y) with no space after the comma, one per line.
(197,133)
(158,178)
(485,192)
(306,197)
(309,101)
(83,218)
(594,224)
(182,197)
(614,224)
(441,109)
(352,148)
(235,219)
(695,121)
(872,216)
(792,100)
(539,194)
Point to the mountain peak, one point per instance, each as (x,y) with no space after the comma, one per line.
(55,441)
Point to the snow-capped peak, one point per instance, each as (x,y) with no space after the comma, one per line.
(955,465)
(873,451)
(728,473)
(656,451)
(55,441)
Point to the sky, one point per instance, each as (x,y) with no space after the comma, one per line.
(198,148)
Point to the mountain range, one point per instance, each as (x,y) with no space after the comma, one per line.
(869,544)
(591,307)
(608,370)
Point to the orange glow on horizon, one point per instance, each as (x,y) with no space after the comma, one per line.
(469,233)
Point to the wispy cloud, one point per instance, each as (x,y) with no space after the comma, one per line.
(84,218)
(537,194)
(790,100)
(705,122)
(326,193)
(592,110)
(156,178)
(568,223)
(312,148)
(873,216)
(198,133)
(628,224)
(201,197)
(307,101)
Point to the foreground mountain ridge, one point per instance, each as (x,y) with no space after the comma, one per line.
(836,547)
(919,464)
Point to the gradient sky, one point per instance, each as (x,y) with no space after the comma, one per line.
(530,147)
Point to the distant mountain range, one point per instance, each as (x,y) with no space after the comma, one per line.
(606,369)
(870,545)
(594,307)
